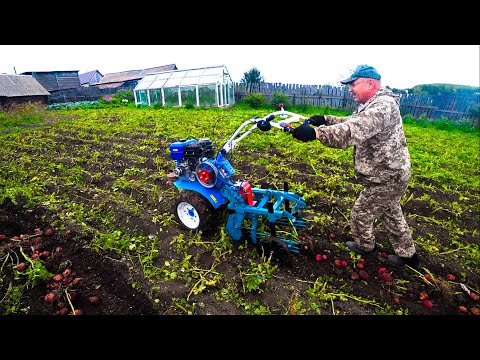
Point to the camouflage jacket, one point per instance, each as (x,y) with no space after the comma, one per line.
(376,132)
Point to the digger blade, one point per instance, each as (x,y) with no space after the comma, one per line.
(275,247)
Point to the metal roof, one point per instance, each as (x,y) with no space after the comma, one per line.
(46,72)
(20,85)
(86,77)
(112,85)
(134,74)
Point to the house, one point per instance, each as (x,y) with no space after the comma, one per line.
(56,80)
(90,78)
(19,89)
(127,80)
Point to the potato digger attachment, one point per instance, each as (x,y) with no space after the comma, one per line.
(268,217)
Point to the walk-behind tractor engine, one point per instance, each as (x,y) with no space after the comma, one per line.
(270,217)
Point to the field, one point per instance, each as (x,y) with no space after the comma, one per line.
(86,208)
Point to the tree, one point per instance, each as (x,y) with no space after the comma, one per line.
(251,77)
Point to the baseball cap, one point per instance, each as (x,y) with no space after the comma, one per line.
(362,71)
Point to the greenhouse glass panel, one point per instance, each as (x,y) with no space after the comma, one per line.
(210,79)
(211,71)
(146,82)
(190,81)
(177,74)
(157,84)
(206,95)
(188,95)
(231,94)
(155,97)
(171,96)
(162,75)
(142,97)
(175,82)
(144,85)
(195,73)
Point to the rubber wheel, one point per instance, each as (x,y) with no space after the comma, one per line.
(193,211)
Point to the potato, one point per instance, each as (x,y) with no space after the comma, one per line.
(363,274)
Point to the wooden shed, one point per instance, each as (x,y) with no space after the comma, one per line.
(56,80)
(20,89)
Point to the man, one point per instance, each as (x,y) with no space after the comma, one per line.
(381,163)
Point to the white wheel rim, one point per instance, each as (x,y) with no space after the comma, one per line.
(188,215)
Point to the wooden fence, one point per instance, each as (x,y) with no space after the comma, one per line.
(441,106)
(431,107)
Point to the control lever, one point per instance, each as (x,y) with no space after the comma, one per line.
(264,124)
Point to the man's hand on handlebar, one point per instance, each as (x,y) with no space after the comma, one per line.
(317,120)
(304,132)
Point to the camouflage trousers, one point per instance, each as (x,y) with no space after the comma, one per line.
(382,201)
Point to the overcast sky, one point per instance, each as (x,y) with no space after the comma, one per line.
(401,66)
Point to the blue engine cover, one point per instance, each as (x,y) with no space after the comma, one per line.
(176,148)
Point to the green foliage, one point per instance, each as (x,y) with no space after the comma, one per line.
(252,76)
(258,274)
(255,100)
(444,89)
(13,298)
(74,105)
(22,116)
(279,98)
(109,101)
(441,124)
(35,273)
(303,108)
(124,95)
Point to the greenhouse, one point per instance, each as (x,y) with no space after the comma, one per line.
(204,87)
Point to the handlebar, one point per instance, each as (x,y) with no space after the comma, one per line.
(263,124)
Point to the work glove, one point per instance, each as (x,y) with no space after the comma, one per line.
(304,132)
(317,120)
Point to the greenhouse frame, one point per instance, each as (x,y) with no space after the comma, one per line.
(202,87)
